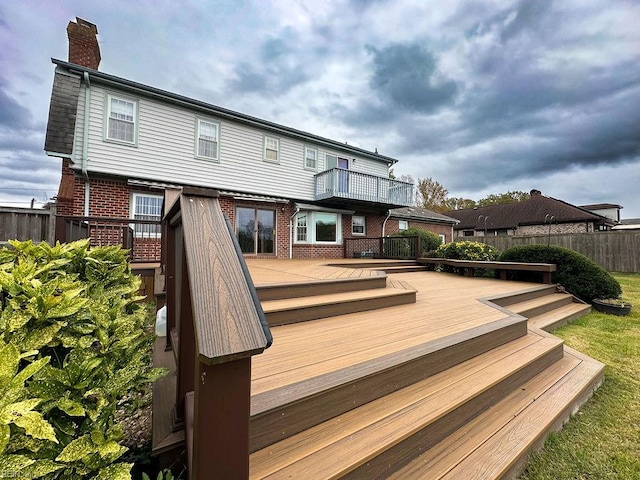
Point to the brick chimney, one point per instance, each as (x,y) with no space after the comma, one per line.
(83,43)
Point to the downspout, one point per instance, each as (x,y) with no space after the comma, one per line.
(384,224)
(85,146)
(291,232)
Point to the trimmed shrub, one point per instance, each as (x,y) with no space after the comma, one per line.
(74,341)
(575,272)
(429,241)
(469,251)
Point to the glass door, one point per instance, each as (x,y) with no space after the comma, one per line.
(255,229)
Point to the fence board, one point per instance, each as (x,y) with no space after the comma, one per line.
(26,224)
(613,251)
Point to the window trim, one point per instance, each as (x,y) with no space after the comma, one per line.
(443,238)
(304,160)
(311,229)
(364,225)
(200,120)
(107,117)
(406,225)
(132,214)
(264,149)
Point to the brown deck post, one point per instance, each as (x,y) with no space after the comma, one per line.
(221,434)
(186,346)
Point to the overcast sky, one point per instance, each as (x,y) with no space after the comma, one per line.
(485,96)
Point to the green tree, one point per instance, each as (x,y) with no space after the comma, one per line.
(502,198)
(431,194)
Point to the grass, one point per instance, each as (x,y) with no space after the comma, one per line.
(602,441)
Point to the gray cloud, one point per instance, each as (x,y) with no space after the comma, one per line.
(406,77)
(13,116)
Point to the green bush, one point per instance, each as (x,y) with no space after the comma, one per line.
(429,241)
(469,251)
(73,343)
(575,272)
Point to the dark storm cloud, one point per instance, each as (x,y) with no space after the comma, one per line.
(13,116)
(405,76)
(279,68)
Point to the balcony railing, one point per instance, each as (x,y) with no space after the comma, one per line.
(141,237)
(397,248)
(339,183)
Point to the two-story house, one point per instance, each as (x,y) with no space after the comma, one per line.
(288,193)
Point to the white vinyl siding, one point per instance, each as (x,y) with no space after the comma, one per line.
(165,152)
(358,225)
(207,139)
(310,159)
(122,119)
(271,149)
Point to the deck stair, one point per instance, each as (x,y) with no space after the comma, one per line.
(299,302)
(470,405)
(545,307)
(387,266)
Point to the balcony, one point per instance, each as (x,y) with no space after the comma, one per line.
(348,188)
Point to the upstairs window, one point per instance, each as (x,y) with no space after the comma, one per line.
(121,119)
(271,149)
(358,225)
(146,207)
(310,159)
(207,141)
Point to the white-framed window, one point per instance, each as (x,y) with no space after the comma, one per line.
(207,136)
(145,206)
(301,227)
(271,149)
(403,225)
(443,239)
(358,225)
(310,158)
(318,227)
(122,120)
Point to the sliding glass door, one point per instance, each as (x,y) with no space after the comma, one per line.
(256,230)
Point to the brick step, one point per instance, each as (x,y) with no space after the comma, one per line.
(497,442)
(366,441)
(540,305)
(297,399)
(558,317)
(302,309)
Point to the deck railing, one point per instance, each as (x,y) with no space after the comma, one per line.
(141,237)
(382,247)
(352,185)
(216,324)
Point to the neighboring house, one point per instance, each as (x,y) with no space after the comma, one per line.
(628,224)
(609,210)
(537,215)
(287,193)
(408,217)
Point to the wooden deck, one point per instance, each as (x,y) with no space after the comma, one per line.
(375,388)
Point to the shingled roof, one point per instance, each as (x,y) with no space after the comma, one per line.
(537,210)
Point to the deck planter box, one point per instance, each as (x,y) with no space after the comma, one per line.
(612,308)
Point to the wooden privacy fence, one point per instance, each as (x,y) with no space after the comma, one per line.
(613,251)
(27,224)
(215,324)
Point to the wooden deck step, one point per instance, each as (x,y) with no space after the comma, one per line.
(372,263)
(497,442)
(366,441)
(308,393)
(540,305)
(507,299)
(558,317)
(280,291)
(293,310)
(402,268)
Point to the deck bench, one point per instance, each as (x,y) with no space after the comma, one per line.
(502,268)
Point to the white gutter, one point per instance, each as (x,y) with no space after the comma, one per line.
(85,146)
(291,232)
(384,224)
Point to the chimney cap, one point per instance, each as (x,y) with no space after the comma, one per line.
(85,23)
(535,192)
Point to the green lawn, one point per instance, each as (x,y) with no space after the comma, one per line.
(603,440)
